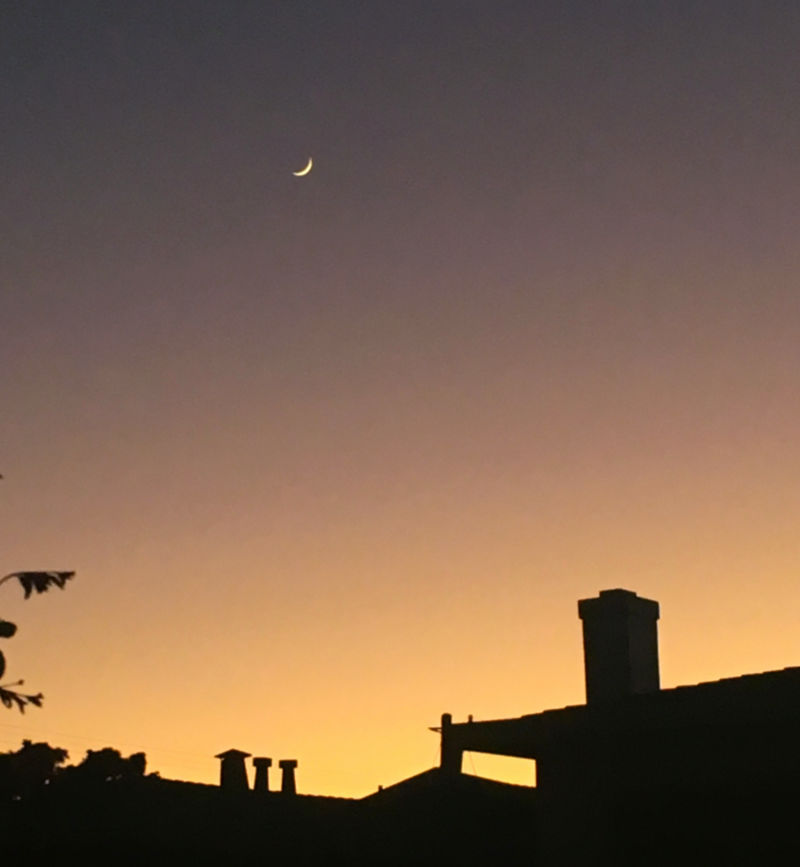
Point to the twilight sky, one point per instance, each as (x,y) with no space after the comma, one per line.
(332,455)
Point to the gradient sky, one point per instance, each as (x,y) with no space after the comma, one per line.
(333,455)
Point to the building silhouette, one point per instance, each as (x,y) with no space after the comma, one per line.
(636,763)
(637,775)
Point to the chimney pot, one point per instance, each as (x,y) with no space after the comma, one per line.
(288,784)
(262,766)
(232,772)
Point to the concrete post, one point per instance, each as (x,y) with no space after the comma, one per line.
(451,752)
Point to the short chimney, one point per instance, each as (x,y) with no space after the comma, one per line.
(288,785)
(620,645)
(262,766)
(232,772)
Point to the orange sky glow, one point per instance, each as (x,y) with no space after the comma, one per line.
(334,455)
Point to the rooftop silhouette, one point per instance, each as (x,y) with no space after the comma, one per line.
(709,771)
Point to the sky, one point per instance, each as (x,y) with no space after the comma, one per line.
(333,455)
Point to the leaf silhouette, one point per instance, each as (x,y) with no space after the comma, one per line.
(39,581)
(30,582)
(10,697)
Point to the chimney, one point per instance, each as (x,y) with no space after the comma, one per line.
(232,772)
(262,766)
(620,645)
(287,766)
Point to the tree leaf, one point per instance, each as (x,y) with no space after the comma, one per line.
(9,698)
(40,581)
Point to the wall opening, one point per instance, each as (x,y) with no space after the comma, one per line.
(504,769)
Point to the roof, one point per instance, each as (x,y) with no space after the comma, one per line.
(231,754)
(434,783)
(751,699)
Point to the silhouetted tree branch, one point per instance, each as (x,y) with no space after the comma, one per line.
(30,582)
(10,697)
(38,581)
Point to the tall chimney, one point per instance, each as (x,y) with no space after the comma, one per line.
(288,785)
(620,645)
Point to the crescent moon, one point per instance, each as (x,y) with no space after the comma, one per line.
(304,171)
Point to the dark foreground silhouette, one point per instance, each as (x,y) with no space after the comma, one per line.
(427,820)
(149,820)
(695,775)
